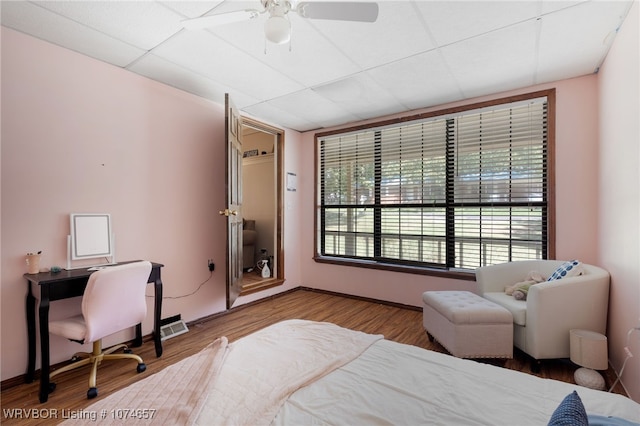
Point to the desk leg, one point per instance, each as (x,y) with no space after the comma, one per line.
(31,335)
(43,314)
(137,341)
(157,316)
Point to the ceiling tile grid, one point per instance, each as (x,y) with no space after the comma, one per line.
(419,81)
(584,33)
(208,55)
(193,8)
(142,24)
(309,59)
(503,59)
(159,69)
(398,33)
(455,21)
(273,114)
(416,54)
(43,24)
(308,103)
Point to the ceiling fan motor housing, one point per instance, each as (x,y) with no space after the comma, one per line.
(277,28)
(276,7)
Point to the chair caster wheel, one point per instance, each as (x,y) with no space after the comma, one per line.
(92,393)
(127,351)
(141,367)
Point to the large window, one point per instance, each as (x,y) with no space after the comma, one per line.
(455,190)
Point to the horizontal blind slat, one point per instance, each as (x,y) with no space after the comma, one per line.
(497,156)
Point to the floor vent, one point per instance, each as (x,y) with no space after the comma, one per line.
(173,329)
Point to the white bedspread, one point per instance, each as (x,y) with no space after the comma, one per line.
(399,384)
(302,373)
(261,370)
(173,396)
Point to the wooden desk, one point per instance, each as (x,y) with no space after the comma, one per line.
(50,286)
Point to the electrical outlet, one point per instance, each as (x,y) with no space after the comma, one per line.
(211,265)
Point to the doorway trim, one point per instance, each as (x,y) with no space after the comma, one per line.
(278,133)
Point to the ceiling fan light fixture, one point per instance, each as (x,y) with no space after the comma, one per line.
(277,29)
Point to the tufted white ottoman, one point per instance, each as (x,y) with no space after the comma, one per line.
(467,325)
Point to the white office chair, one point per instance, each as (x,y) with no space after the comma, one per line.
(113,300)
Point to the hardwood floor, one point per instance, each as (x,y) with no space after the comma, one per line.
(253,281)
(396,323)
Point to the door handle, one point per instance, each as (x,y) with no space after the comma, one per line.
(227,212)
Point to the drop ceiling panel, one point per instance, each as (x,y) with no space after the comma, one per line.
(418,53)
(142,24)
(192,9)
(310,59)
(583,32)
(453,21)
(248,34)
(209,56)
(399,32)
(361,96)
(41,23)
(418,81)
(554,6)
(496,61)
(315,108)
(159,69)
(285,119)
(221,6)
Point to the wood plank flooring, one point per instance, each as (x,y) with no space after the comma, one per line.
(396,323)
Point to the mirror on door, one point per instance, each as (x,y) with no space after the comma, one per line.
(261,193)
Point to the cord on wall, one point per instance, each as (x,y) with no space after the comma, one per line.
(189,294)
(629,355)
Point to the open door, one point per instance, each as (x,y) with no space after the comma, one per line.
(233,210)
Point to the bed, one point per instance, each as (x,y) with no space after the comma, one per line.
(299,372)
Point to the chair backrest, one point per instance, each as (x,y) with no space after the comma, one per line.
(115,299)
(494,278)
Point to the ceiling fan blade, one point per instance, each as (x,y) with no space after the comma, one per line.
(219,19)
(339,10)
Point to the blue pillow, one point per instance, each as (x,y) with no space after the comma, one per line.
(570,412)
(571,268)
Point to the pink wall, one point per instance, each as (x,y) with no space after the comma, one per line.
(79,135)
(576,203)
(619,203)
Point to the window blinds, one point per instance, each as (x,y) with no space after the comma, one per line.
(456,191)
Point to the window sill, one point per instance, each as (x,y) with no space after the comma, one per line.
(444,273)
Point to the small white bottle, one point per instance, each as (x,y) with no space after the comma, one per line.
(266,272)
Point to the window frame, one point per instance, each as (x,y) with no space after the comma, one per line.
(425,270)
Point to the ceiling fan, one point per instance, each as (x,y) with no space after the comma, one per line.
(277,28)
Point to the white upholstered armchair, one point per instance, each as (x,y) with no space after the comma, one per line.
(552,308)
